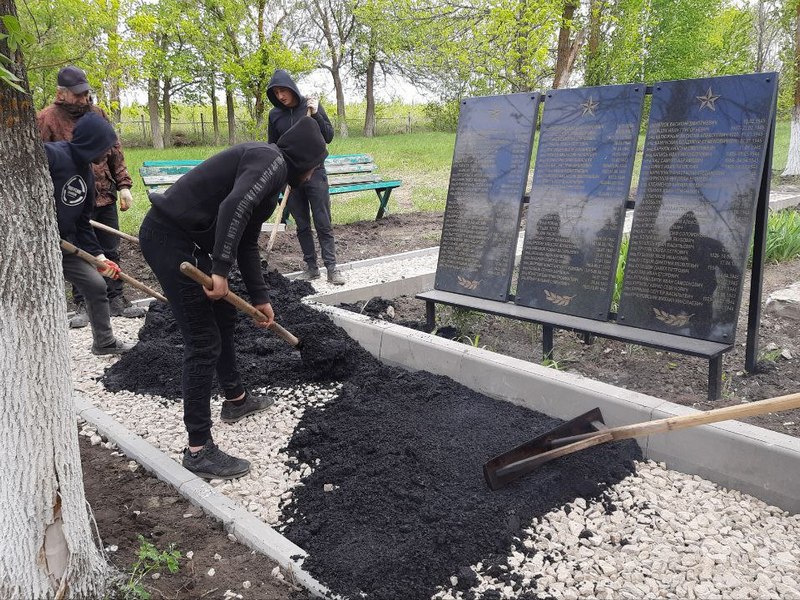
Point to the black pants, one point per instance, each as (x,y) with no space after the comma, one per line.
(107,215)
(207,326)
(313,200)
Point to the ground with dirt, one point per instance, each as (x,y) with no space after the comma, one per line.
(127,504)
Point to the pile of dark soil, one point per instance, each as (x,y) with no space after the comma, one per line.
(400,453)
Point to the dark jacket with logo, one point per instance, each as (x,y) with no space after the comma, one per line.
(56,125)
(70,166)
(223,201)
(281,118)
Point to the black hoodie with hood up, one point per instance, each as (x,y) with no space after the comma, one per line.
(223,201)
(70,166)
(282,118)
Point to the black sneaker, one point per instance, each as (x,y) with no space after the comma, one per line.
(212,463)
(231,413)
(80,318)
(121,307)
(118,347)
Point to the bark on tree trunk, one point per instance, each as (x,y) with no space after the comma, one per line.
(166,103)
(567,50)
(152,109)
(215,112)
(114,68)
(793,160)
(341,117)
(369,117)
(44,526)
(594,74)
(231,113)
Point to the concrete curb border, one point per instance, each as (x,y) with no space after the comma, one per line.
(732,454)
(248,529)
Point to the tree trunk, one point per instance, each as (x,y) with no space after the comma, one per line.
(341,117)
(152,108)
(369,117)
(44,526)
(114,69)
(563,62)
(166,103)
(214,111)
(793,160)
(230,111)
(594,75)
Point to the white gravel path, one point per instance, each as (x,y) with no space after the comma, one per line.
(672,535)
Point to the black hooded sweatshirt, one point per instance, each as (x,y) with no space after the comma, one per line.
(282,118)
(223,201)
(70,166)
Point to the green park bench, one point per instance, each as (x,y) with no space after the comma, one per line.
(346,173)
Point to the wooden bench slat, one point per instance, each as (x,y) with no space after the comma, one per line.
(360,187)
(334,180)
(350,168)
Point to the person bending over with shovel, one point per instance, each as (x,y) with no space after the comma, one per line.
(211,217)
(70,166)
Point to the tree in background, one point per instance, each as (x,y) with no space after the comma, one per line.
(48,550)
(793,60)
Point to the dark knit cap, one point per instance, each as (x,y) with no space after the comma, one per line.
(303,147)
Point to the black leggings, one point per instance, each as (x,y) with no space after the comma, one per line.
(207,326)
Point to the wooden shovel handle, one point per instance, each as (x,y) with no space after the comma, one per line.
(750,409)
(243,305)
(116,232)
(72,249)
(278,219)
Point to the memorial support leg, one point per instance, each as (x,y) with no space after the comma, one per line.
(715,378)
(430,315)
(547,342)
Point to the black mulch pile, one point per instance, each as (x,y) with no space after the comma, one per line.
(404,452)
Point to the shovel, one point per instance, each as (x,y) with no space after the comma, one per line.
(243,305)
(71,249)
(589,430)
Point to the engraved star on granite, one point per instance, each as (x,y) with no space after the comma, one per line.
(589,107)
(708,100)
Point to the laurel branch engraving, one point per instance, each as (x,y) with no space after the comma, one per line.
(556,299)
(467,283)
(672,320)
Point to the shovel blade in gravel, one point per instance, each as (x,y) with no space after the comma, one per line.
(513,464)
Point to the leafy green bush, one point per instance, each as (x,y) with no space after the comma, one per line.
(783,236)
(150,560)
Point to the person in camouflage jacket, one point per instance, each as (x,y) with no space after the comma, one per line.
(56,123)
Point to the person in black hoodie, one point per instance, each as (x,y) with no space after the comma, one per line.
(70,166)
(312,198)
(211,217)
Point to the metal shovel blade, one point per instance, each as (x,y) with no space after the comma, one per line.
(505,468)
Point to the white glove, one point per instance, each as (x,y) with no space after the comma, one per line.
(313,104)
(125,199)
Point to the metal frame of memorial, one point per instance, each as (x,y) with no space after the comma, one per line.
(715,339)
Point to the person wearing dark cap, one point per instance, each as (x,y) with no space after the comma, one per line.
(312,199)
(73,185)
(212,217)
(56,123)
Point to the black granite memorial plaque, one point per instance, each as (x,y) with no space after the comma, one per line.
(484,199)
(581,182)
(703,161)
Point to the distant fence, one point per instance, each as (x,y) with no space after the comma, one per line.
(200,131)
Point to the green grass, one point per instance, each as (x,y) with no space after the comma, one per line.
(783,236)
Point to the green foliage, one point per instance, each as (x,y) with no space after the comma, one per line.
(783,236)
(621,262)
(149,560)
(443,115)
(15,39)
